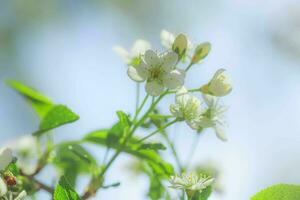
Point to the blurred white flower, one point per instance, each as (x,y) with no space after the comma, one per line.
(21,196)
(219,85)
(186,107)
(6,158)
(139,48)
(167,39)
(26,149)
(213,117)
(191,183)
(159,71)
(3,187)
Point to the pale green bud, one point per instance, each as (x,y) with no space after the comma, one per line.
(201,52)
(180,45)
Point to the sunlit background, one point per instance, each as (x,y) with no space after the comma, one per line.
(64,49)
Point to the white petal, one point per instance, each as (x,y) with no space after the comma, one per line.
(209,99)
(123,53)
(3,187)
(174,79)
(205,122)
(154,88)
(140,47)
(21,196)
(167,39)
(169,61)
(220,133)
(138,74)
(175,110)
(182,91)
(151,58)
(218,73)
(6,158)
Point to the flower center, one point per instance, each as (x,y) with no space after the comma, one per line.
(155,72)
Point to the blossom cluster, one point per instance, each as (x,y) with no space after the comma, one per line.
(7,180)
(161,73)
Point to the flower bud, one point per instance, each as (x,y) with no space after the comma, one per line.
(180,45)
(201,52)
(219,85)
(10,180)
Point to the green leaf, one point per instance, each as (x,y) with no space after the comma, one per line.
(40,103)
(72,159)
(279,192)
(124,119)
(203,195)
(72,152)
(12,167)
(57,116)
(132,147)
(64,191)
(156,190)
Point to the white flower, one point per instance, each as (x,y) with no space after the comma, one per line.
(186,107)
(3,187)
(191,182)
(26,149)
(21,196)
(6,158)
(159,72)
(167,39)
(213,117)
(219,85)
(139,48)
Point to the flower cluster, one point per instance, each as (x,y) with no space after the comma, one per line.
(7,180)
(161,73)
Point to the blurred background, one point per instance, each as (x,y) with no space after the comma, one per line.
(64,49)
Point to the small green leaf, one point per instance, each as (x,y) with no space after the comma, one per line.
(203,195)
(124,119)
(80,153)
(201,52)
(72,159)
(64,191)
(40,103)
(57,116)
(12,167)
(75,153)
(279,192)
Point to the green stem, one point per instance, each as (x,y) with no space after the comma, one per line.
(140,108)
(192,152)
(189,66)
(158,130)
(161,116)
(137,98)
(173,149)
(194,90)
(191,90)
